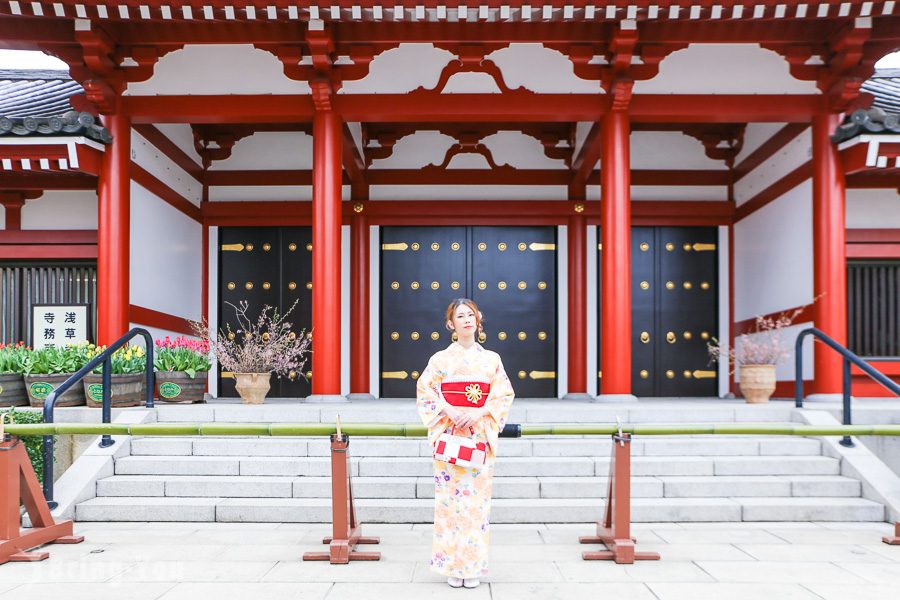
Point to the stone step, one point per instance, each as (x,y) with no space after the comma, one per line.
(219,486)
(649,466)
(318,510)
(524,410)
(411,447)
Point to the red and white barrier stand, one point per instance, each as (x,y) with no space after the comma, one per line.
(19,485)
(615,529)
(893,540)
(346,529)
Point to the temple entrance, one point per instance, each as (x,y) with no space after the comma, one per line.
(509,271)
(266,266)
(674,310)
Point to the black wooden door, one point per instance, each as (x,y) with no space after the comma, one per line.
(514,284)
(266,266)
(674,314)
(422,270)
(509,271)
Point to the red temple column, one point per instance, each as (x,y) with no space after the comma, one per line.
(829,253)
(326,260)
(615,225)
(577,305)
(359,297)
(113,232)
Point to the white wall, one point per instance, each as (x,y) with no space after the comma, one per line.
(166,256)
(724,69)
(773,256)
(873,209)
(218,69)
(151,159)
(75,209)
(165,244)
(794,154)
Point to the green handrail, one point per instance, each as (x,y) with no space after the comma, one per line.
(416,430)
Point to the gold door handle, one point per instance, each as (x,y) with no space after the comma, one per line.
(227,375)
(394,375)
(645,337)
(401,246)
(698,374)
(542,374)
(671,337)
(535,246)
(703,247)
(232,247)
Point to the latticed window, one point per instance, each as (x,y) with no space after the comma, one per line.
(24,284)
(873,308)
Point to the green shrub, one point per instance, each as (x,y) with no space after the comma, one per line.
(33,443)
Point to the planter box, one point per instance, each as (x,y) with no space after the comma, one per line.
(40,386)
(12,390)
(126,390)
(178,386)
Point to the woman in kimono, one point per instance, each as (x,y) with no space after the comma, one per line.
(476,398)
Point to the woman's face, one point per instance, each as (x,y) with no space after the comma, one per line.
(464,321)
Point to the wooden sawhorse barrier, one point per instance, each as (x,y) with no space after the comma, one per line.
(19,485)
(346,529)
(893,540)
(615,529)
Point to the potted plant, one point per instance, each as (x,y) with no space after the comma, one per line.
(127,377)
(257,349)
(757,353)
(47,368)
(182,365)
(12,364)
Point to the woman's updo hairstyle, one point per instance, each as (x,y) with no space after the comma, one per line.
(451,310)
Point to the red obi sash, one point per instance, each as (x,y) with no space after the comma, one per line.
(466,393)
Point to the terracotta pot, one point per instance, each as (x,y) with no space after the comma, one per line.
(757,383)
(252,387)
(12,390)
(125,390)
(178,386)
(40,386)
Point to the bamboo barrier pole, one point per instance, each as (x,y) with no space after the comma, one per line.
(416,430)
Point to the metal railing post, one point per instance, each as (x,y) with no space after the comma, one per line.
(846,441)
(106,441)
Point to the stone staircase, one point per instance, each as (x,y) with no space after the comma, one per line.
(537,479)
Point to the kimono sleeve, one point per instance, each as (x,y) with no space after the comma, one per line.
(428,401)
(501,397)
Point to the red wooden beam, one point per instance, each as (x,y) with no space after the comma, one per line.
(503,175)
(160,320)
(874,179)
(43,180)
(475,212)
(768,148)
(258,178)
(853,158)
(49,237)
(56,252)
(873,236)
(162,143)
(354,165)
(873,251)
(725,108)
(519,106)
(219,109)
(587,157)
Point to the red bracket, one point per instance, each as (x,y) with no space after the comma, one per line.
(893,540)
(19,485)
(346,529)
(615,529)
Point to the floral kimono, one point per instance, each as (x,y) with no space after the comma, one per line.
(463,495)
